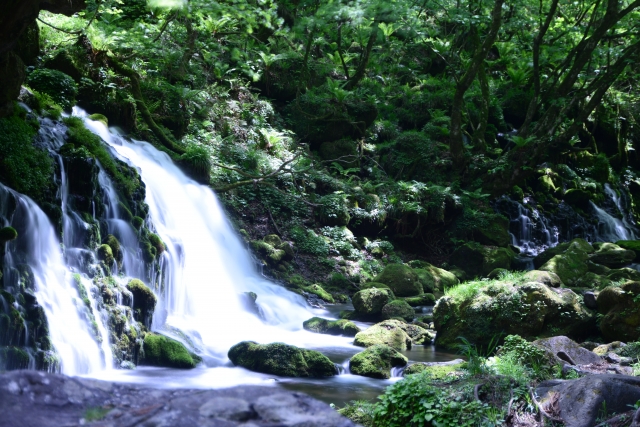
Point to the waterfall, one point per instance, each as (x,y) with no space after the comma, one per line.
(612,228)
(206,266)
(39,249)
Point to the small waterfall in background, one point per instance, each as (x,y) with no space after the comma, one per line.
(39,249)
(533,232)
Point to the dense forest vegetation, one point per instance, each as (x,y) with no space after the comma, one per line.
(360,142)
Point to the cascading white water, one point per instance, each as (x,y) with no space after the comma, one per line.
(206,266)
(66,314)
(610,228)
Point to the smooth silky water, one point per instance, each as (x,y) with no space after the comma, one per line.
(204,270)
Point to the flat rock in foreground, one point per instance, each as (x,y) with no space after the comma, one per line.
(38,399)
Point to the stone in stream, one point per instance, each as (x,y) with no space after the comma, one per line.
(281,359)
(389,332)
(331,327)
(38,399)
(376,361)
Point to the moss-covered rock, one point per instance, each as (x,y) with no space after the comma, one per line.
(434,278)
(331,327)
(116,250)
(99,118)
(479,311)
(389,332)
(570,265)
(398,309)
(577,197)
(546,255)
(632,245)
(495,233)
(545,277)
(7,234)
(281,359)
(626,273)
(377,285)
(369,302)
(166,352)
(144,301)
(593,281)
(105,254)
(612,255)
(376,361)
(620,308)
(477,260)
(317,289)
(424,299)
(437,371)
(157,243)
(401,279)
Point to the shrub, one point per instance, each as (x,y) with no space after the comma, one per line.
(58,85)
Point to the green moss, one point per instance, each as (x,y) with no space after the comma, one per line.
(80,136)
(424,299)
(165,352)
(331,327)
(23,167)
(100,118)
(401,279)
(105,254)
(370,301)
(144,300)
(116,250)
(157,243)
(281,359)
(7,234)
(389,332)
(137,222)
(308,241)
(376,361)
(333,210)
(398,309)
(316,289)
(435,372)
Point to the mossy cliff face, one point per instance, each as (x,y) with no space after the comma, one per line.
(281,359)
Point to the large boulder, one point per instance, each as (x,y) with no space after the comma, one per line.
(434,278)
(580,402)
(166,352)
(281,359)
(477,260)
(331,327)
(144,301)
(389,332)
(398,309)
(369,302)
(570,265)
(562,350)
(376,361)
(632,245)
(612,255)
(620,309)
(401,279)
(545,277)
(528,309)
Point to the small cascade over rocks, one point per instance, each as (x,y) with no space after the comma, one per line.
(34,269)
(534,231)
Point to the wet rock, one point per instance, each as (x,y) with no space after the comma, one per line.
(621,312)
(477,260)
(580,401)
(376,361)
(166,352)
(398,309)
(369,302)
(331,327)
(527,309)
(590,300)
(612,255)
(545,277)
(564,350)
(389,332)
(38,399)
(281,359)
(144,301)
(401,279)
(424,299)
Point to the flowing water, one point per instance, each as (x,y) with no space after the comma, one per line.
(39,249)
(202,276)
